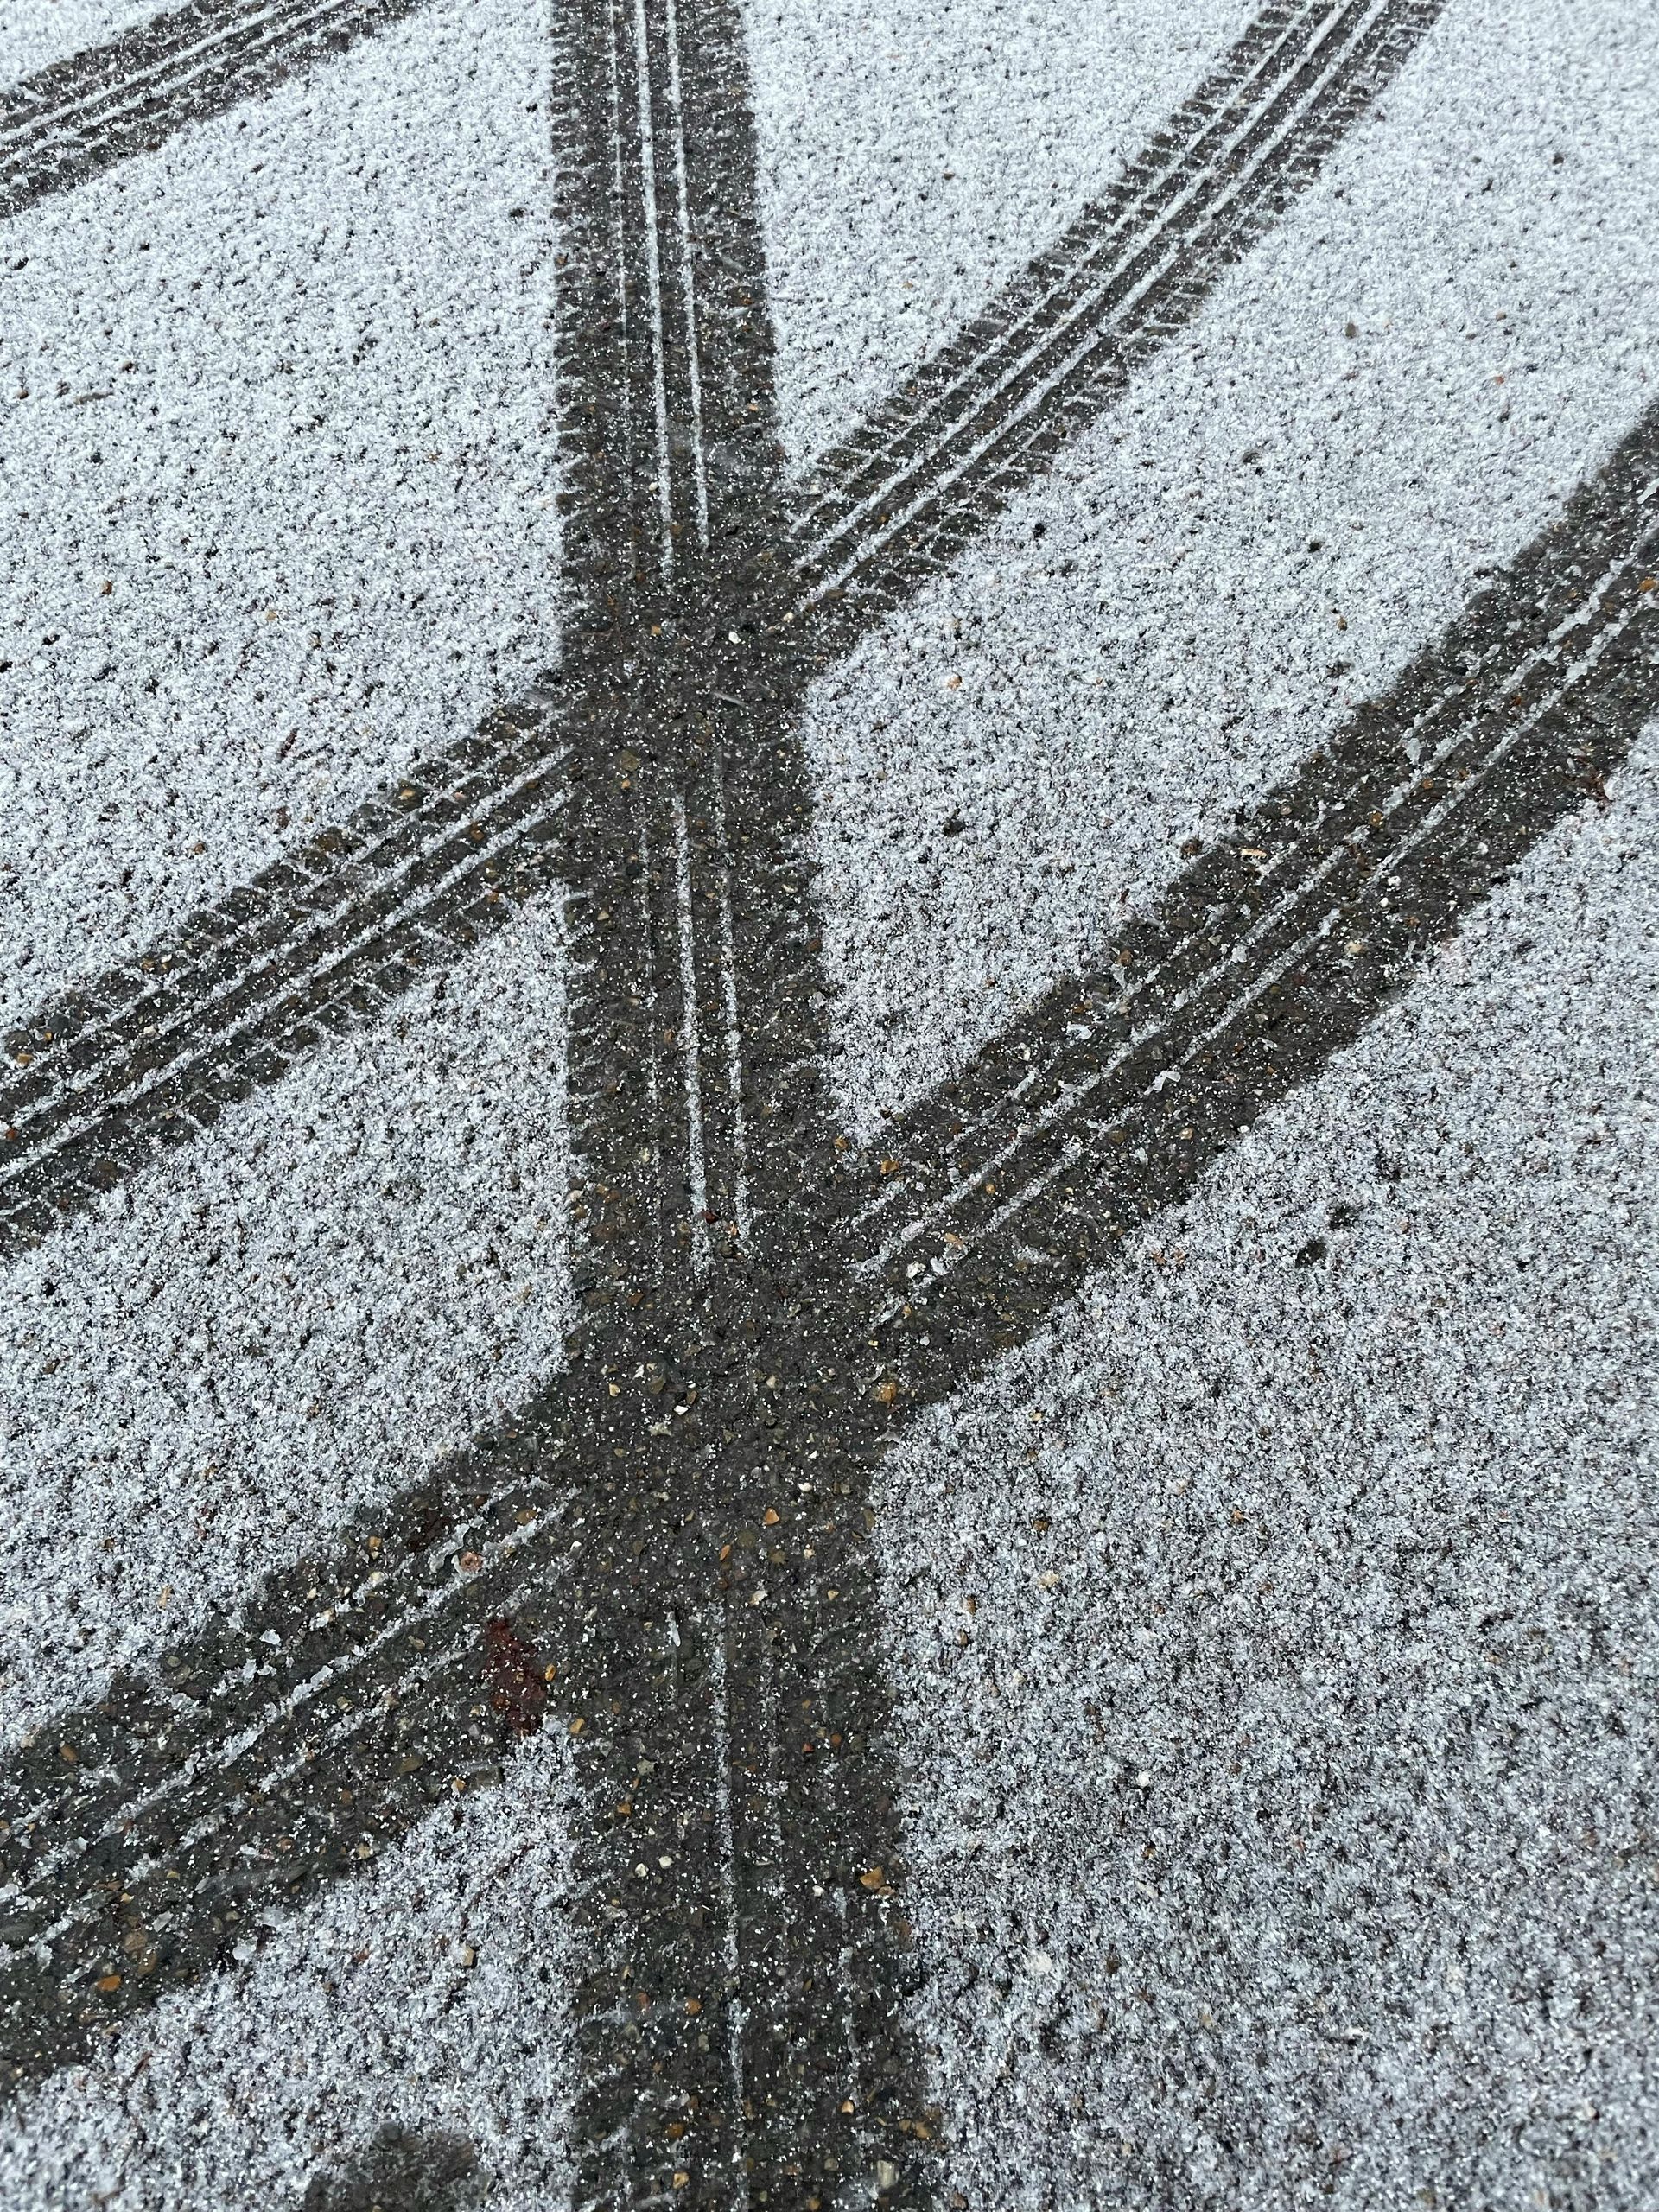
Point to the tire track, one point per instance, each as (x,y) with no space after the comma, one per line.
(73,120)
(1274,950)
(740,2009)
(937,462)
(91,1107)
(118,1072)
(623,1526)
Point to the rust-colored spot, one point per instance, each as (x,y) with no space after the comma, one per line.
(769,1518)
(694,2004)
(874,1880)
(109,1983)
(516,1678)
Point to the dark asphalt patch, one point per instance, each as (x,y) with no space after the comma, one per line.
(401,2170)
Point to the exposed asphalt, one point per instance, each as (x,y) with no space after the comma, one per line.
(531,1291)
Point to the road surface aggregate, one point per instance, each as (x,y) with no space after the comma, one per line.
(827,1120)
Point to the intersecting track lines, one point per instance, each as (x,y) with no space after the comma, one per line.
(118,1071)
(564,1563)
(669,1550)
(81,116)
(741,2012)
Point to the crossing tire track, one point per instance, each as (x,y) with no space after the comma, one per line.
(180,1788)
(87,1114)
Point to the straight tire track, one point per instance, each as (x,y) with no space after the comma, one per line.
(716,1912)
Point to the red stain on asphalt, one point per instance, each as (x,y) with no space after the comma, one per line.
(518,1690)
